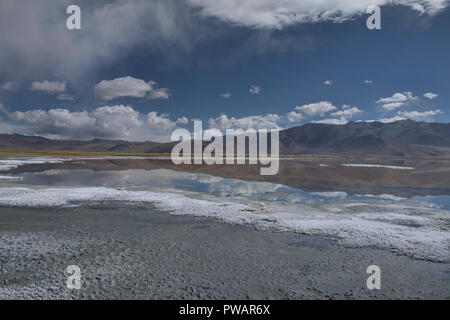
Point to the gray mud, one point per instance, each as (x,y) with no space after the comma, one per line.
(137,252)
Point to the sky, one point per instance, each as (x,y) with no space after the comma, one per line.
(139,69)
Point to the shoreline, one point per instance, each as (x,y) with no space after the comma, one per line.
(428,178)
(138,252)
(11,153)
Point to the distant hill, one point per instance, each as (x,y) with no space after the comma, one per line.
(404,138)
(401,138)
(20,142)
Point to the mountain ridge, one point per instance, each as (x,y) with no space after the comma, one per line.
(405,138)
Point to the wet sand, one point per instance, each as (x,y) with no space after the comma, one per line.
(137,252)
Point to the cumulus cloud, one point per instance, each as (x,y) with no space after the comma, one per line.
(9,85)
(124,123)
(418,116)
(108,122)
(254,89)
(392,119)
(413,115)
(431,95)
(269,121)
(368,81)
(340,121)
(280,121)
(159,93)
(281,13)
(6,127)
(108,90)
(397,100)
(344,114)
(182,120)
(294,116)
(347,112)
(393,105)
(319,108)
(50,87)
(398,97)
(328,82)
(226,95)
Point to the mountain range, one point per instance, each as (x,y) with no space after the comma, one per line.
(404,138)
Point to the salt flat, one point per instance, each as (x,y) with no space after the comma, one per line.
(142,253)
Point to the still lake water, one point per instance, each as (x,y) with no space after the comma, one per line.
(165,180)
(414,226)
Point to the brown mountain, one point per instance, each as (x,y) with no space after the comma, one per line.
(405,138)
(401,138)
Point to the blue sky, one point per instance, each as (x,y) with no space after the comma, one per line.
(139,69)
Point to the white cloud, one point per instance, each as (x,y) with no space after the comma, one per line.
(160,93)
(418,116)
(368,81)
(281,13)
(9,85)
(182,120)
(108,90)
(294,116)
(413,115)
(418,7)
(328,82)
(50,87)
(398,97)
(393,105)
(279,121)
(50,121)
(160,122)
(6,127)
(108,122)
(397,100)
(431,95)
(175,29)
(226,95)
(269,121)
(65,97)
(342,120)
(114,29)
(319,108)
(254,89)
(347,112)
(393,119)
(124,123)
